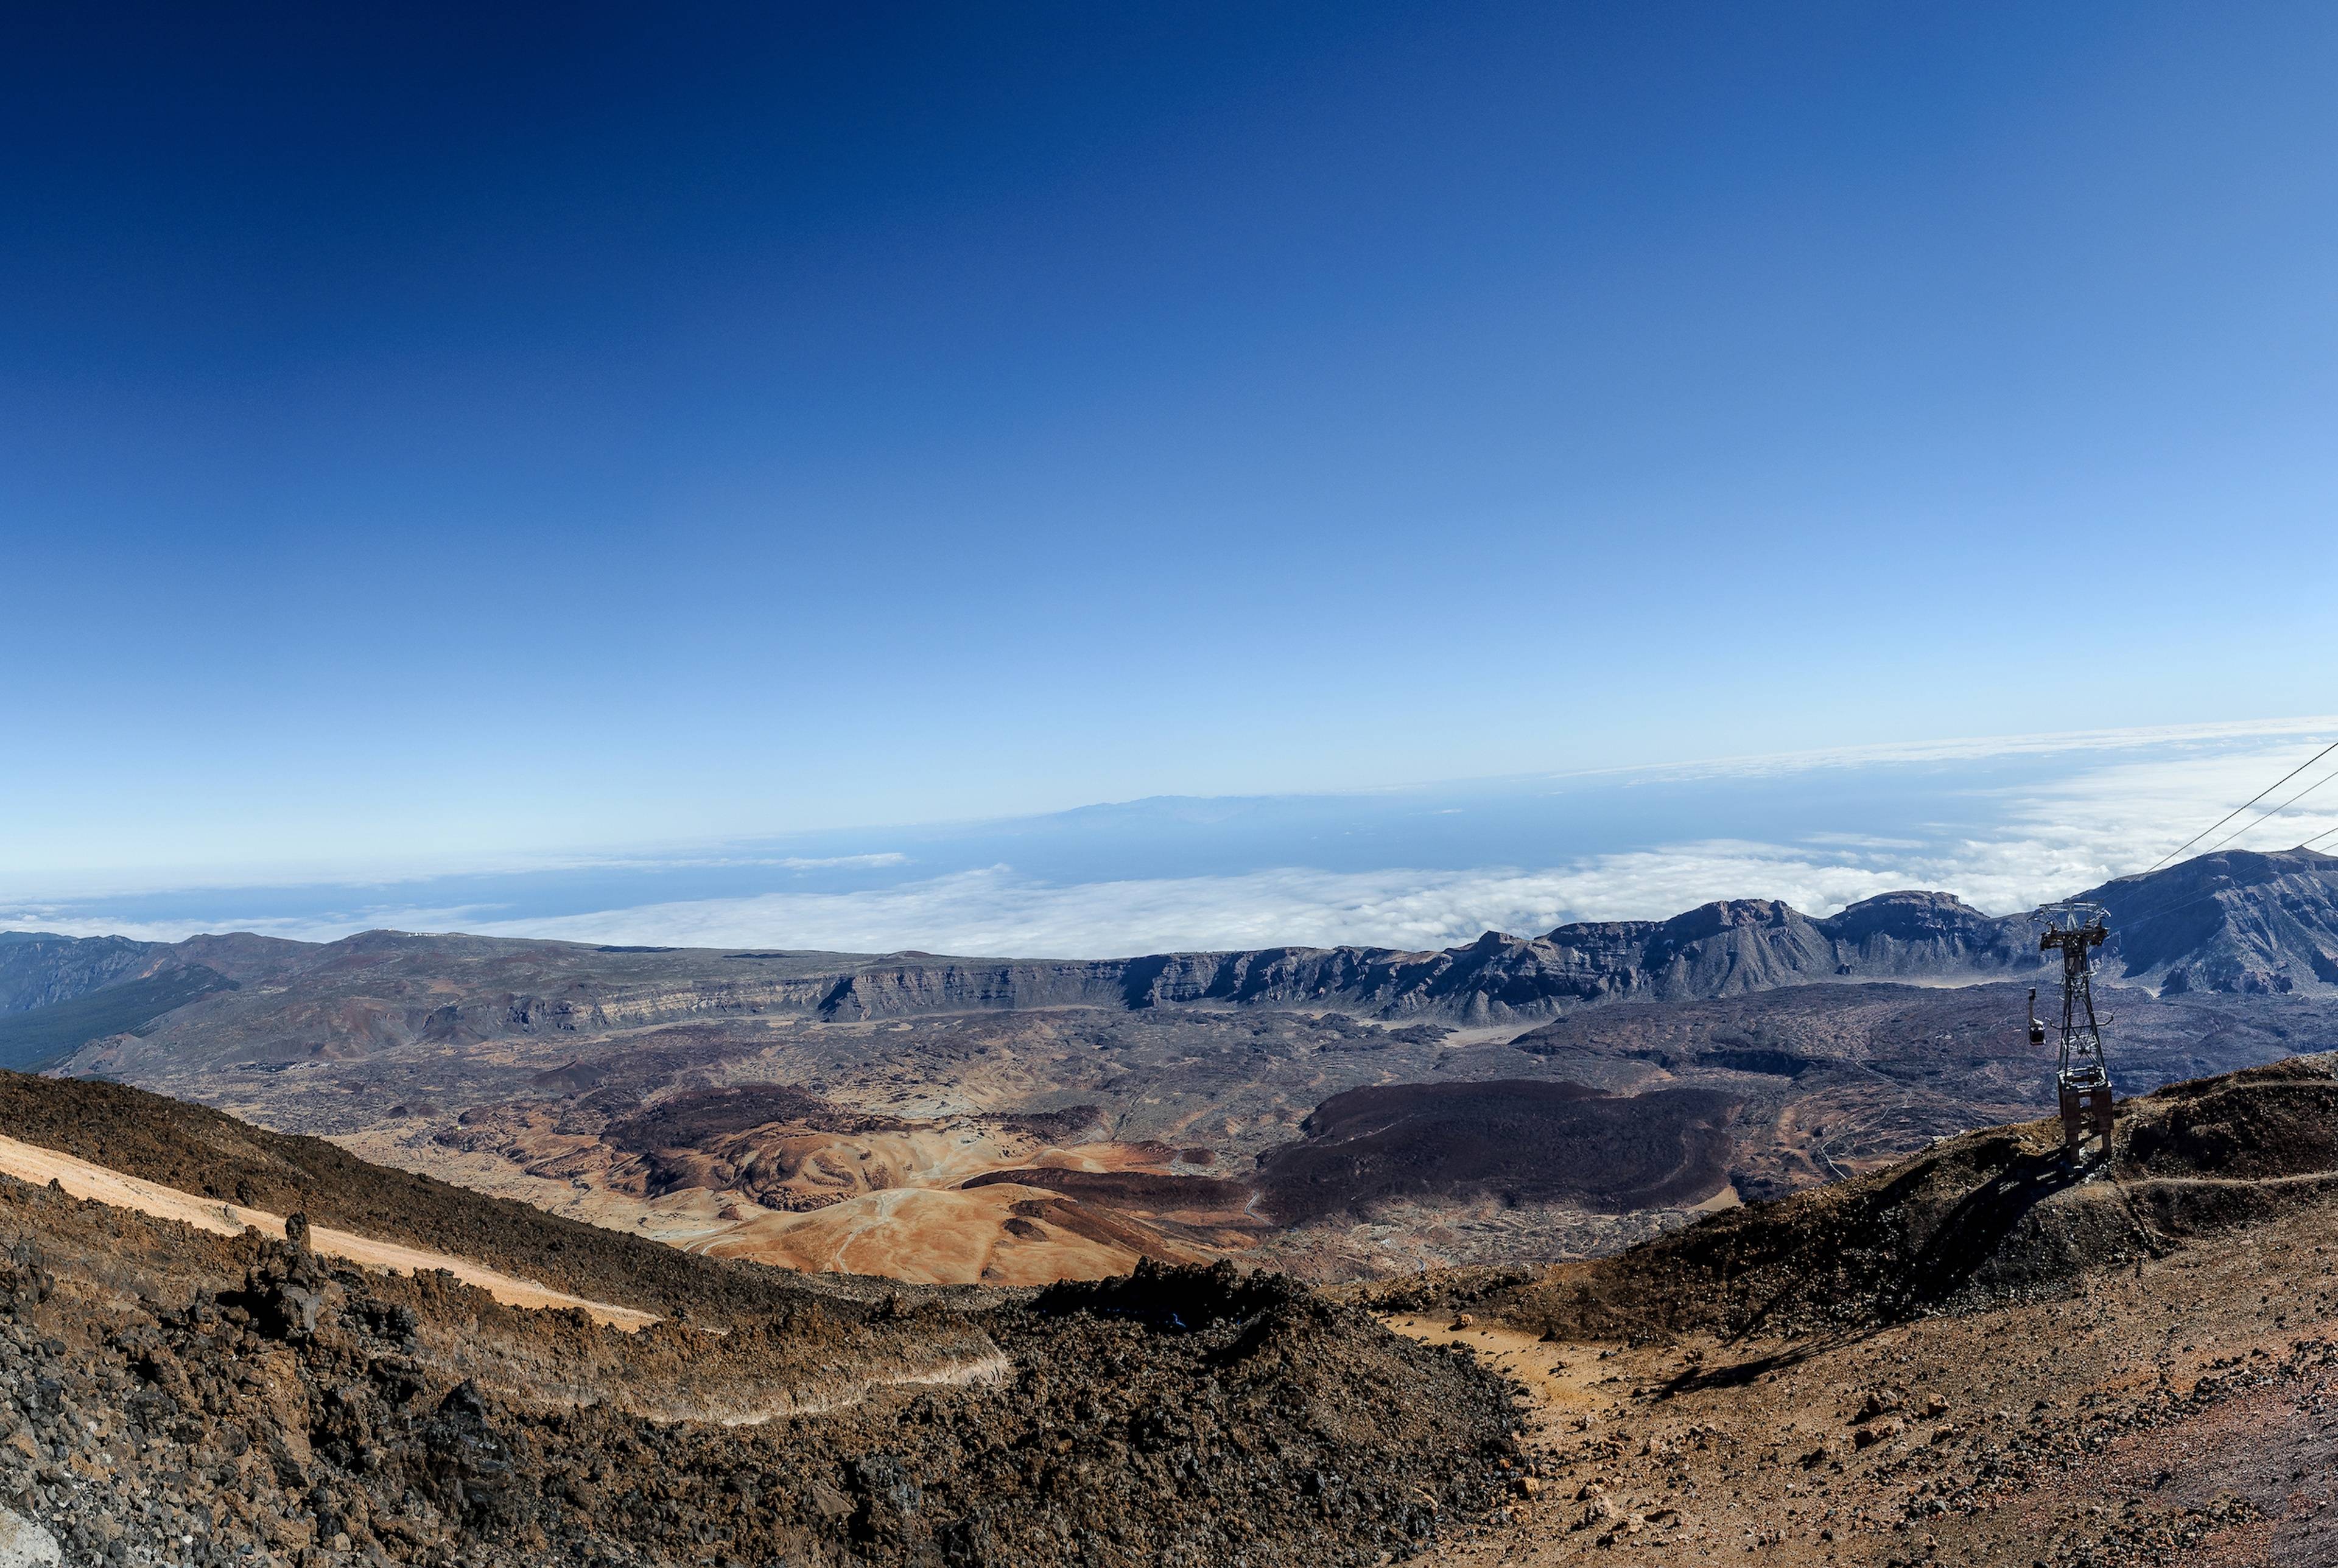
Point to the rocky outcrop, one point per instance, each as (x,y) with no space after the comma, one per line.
(1720,949)
(167,1395)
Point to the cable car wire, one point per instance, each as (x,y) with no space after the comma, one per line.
(2269,816)
(2244,806)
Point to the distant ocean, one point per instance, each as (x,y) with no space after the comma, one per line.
(2004,823)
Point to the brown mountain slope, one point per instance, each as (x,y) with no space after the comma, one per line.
(793,1140)
(1986,1218)
(1983,1354)
(869,1095)
(172,1395)
(198,1150)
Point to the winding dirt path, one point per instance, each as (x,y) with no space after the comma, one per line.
(80,1178)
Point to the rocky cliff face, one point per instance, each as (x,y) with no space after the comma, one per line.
(1719,949)
(2231,921)
(2223,922)
(37,969)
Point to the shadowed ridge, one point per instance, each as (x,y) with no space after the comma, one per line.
(1976,1222)
(2227,922)
(205,1152)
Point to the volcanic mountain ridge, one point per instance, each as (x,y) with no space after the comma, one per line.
(2229,922)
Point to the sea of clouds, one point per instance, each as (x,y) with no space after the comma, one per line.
(2004,824)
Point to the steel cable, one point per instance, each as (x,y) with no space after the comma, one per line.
(2244,806)
(2269,816)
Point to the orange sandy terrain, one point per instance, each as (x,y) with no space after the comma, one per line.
(994,1235)
(891,1198)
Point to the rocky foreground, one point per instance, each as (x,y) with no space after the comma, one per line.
(1983,1354)
(1980,1356)
(168,1394)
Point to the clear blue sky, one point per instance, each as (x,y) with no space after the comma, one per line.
(432,432)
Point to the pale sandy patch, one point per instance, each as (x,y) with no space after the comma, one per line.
(1561,1378)
(80,1178)
(994,1368)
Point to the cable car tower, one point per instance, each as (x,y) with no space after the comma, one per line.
(2080,1077)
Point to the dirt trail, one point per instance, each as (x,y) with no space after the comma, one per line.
(2192,1433)
(1559,1376)
(2169,1409)
(82,1179)
(992,1368)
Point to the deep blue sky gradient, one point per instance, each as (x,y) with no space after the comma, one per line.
(432,433)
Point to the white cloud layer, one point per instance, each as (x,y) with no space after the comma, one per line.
(2120,807)
(992,912)
(2055,840)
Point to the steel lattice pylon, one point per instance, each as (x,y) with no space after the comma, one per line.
(2081,1078)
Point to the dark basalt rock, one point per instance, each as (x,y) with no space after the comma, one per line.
(299,1409)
